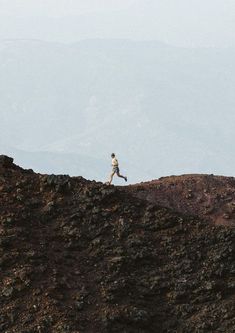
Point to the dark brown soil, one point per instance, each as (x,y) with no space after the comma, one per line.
(79,256)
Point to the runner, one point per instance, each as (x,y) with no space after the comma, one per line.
(115,169)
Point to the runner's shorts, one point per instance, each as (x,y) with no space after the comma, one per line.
(116,169)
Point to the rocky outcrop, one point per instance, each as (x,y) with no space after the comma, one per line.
(79,256)
(6,161)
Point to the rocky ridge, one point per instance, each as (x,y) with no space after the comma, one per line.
(79,256)
(207,196)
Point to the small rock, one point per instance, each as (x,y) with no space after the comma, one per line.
(7,291)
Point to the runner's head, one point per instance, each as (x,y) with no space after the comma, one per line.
(112,155)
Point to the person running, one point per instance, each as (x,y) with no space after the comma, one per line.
(115,169)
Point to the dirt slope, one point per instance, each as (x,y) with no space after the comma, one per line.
(78,256)
(207,196)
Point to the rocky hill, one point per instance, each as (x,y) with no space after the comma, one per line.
(79,256)
(207,196)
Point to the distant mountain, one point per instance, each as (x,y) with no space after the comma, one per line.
(163,110)
(181,23)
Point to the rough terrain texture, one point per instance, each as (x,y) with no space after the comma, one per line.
(78,256)
(208,196)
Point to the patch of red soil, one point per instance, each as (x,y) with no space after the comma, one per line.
(206,196)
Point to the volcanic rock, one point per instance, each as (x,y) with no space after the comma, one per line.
(79,256)
(207,196)
(6,161)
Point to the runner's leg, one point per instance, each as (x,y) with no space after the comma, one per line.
(111,177)
(120,176)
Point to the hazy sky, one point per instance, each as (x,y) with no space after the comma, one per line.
(180,22)
(59,7)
